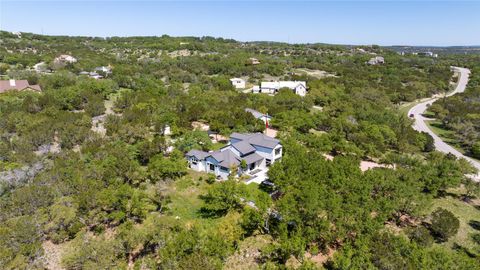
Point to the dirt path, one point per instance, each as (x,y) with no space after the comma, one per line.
(53,255)
(98,122)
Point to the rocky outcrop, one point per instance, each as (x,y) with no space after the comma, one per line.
(16,177)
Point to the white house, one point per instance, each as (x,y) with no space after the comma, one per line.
(238,83)
(298,87)
(256,150)
(259,115)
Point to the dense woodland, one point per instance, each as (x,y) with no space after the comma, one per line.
(74,198)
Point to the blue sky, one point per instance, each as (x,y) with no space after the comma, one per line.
(441,23)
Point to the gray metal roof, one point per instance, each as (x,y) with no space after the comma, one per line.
(243,147)
(255,113)
(252,158)
(258,139)
(226,158)
(240,136)
(197,153)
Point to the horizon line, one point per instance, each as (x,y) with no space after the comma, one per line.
(245,41)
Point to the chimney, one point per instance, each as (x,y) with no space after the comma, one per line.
(12,83)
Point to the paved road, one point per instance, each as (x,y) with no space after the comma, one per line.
(420,124)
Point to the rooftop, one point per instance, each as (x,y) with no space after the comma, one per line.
(258,139)
(18,85)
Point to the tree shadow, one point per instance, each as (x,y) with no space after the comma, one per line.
(475,224)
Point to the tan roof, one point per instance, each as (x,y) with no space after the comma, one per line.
(18,85)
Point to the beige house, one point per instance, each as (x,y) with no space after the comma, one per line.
(238,83)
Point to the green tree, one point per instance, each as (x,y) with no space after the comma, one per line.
(222,197)
(162,168)
(444,224)
(194,140)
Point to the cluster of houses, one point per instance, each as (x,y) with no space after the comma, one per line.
(250,153)
(18,85)
(298,87)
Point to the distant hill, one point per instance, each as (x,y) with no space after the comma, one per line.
(438,50)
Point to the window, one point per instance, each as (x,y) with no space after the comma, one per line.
(194,162)
(278,151)
(223,169)
(212,167)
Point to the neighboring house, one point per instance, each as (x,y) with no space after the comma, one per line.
(376,60)
(298,87)
(258,115)
(257,151)
(104,70)
(65,58)
(238,83)
(18,85)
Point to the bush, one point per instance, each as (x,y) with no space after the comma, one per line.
(429,145)
(444,224)
(476,150)
(421,236)
(476,238)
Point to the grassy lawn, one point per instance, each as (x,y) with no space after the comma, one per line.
(185,202)
(465,212)
(218,145)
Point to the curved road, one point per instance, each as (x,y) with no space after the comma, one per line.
(420,124)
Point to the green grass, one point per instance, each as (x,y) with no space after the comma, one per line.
(185,202)
(404,108)
(184,194)
(444,134)
(465,212)
(217,146)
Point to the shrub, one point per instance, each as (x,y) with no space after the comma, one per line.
(421,236)
(444,224)
(476,238)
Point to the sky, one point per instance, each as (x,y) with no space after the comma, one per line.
(432,23)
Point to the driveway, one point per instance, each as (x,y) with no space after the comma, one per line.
(258,177)
(420,124)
